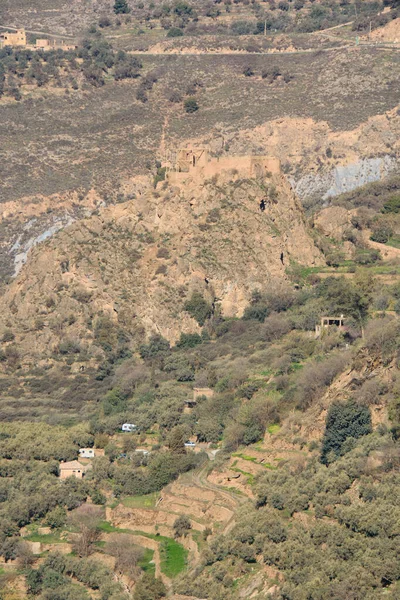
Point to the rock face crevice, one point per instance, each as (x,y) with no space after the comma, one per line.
(138,262)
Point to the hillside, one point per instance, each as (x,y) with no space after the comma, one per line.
(67,141)
(199,300)
(138,262)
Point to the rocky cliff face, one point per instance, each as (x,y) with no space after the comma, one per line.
(320,161)
(137,262)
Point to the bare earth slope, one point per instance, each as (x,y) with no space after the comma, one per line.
(214,239)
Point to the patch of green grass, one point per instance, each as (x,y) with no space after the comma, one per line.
(108,528)
(272,429)
(245,457)
(266,373)
(394,241)
(173,557)
(172,554)
(269,466)
(250,476)
(147,501)
(232,490)
(146,563)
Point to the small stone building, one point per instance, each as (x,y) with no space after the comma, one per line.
(327,323)
(73,468)
(15,38)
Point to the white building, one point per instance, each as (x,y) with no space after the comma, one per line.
(128,427)
(86,453)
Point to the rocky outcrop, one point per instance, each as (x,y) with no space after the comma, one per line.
(138,262)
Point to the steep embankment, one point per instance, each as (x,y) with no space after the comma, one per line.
(138,262)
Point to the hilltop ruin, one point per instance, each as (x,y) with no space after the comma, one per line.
(196,163)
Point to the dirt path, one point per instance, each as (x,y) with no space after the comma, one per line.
(200,479)
(53,35)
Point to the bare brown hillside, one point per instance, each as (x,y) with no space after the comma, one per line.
(136,263)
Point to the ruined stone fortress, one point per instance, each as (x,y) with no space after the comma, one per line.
(196,163)
(17,39)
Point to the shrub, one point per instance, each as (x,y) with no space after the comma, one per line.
(141,95)
(174,32)
(160,175)
(248,71)
(182,526)
(69,347)
(316,376)
(157,346)
(149,587)
(366,256)
(257,312)
(104,22)
(190,105)
(121,7)
(175,97)
(114,402)
(8,336)
(381,232)
(344,420)
(392,205)
(198,308)
(189,340)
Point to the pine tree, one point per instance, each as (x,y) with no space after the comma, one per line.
(121,7)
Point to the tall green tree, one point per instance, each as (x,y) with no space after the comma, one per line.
(121,7)
(344,420)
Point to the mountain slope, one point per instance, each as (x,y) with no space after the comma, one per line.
(138,262)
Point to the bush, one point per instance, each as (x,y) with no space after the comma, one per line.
(174,32)
(141,95)
(121,7)
(366,256)
(344,420)
(256,312)
(175,97)
(8,336)
(182,526)
(198,308)
(157,346)
(149,588)
(189,340)
(69,347)
(190,105)
(248,71)
(381,232)
(392,205)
